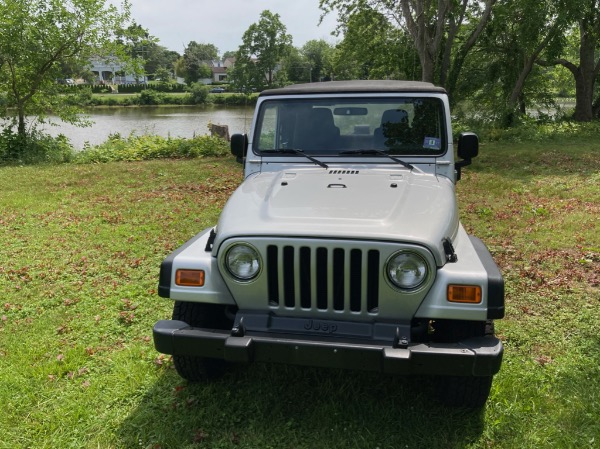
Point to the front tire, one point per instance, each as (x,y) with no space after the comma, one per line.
(194,368)
(463,391)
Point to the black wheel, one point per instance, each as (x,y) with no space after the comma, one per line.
(193,368)
(462,391)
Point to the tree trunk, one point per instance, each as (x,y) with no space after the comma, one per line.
(427,38)
(21,131)
(583,98)
(427,68)
(585,76)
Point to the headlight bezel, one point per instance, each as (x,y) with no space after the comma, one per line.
(416,258)
(225,262)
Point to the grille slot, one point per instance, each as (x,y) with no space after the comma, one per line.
(321,278)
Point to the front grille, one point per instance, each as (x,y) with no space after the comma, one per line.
(323,278)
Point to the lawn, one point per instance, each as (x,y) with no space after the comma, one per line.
(79,257)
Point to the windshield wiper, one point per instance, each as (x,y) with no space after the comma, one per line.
(382,153)
(295,151)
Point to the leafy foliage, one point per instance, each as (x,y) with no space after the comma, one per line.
(150,97)
(318,55)
(388,53)
(500,55)
(33,148)
(137,148)
(264,45)
(195,61)
(38,37)
(198,93)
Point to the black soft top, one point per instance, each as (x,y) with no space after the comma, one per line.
(358,86)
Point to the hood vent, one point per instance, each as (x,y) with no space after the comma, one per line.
(344,172)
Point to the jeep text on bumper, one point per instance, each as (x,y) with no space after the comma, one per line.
(342,247)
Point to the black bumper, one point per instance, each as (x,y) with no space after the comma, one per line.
(480,356)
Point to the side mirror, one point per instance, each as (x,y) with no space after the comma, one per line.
(239,146)
(468,145)
(468,148)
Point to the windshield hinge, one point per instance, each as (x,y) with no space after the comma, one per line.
(211,240)
(449,250)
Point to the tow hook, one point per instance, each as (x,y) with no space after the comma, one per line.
(400,341)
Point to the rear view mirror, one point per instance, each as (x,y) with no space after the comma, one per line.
(350,111)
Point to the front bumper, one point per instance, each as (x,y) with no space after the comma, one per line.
(481,356)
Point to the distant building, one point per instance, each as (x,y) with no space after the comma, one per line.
(219,70)
(111,71)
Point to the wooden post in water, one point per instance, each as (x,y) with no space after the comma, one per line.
(221,131)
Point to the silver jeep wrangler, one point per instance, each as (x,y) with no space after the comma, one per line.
(342,247)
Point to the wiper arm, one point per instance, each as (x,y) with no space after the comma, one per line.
(295,151)
(382,153)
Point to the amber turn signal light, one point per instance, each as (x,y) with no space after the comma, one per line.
(464,293)
(189,278)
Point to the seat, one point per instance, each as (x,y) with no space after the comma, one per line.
(319,131)
(394,130)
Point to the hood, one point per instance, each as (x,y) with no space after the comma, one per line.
(366,204)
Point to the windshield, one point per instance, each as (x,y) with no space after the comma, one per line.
(351,126)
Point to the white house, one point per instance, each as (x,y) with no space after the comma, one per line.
(111,71)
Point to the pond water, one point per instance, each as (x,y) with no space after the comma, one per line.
(174,121)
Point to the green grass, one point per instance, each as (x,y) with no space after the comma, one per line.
(79,257)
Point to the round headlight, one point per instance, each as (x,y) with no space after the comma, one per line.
(407,270)
(243,262)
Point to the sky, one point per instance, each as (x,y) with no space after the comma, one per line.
(223,22)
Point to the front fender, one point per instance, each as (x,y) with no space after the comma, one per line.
(474,266)
(193,255)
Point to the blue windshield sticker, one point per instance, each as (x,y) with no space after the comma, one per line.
(432,143)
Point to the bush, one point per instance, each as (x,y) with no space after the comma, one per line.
(235,99)
(132,88)
(35,148)
(528,130)
(151,97)
(137,148)
(169,87)
(198,93)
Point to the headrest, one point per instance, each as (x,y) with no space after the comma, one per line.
(394,116)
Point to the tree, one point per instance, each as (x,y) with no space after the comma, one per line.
(264,45)
(318,55)
(435,28)
(585,66)
(520,32)
(163,75)
(296,67)
(38,37)
(196,60)
(158,58)
(154,56)
(387,53)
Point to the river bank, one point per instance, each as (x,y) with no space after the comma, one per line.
(165,121)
